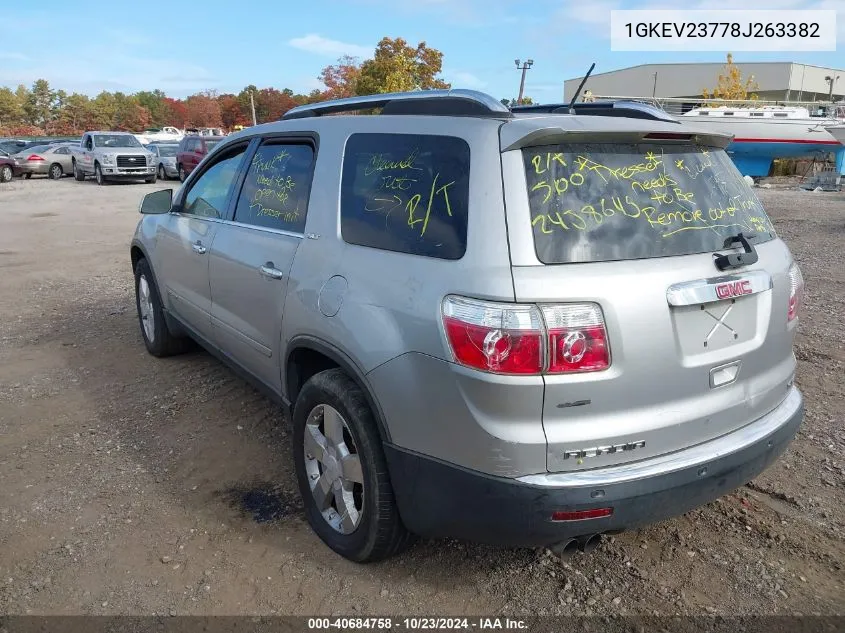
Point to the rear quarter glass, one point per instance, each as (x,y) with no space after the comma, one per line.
(406,193)
(607,202)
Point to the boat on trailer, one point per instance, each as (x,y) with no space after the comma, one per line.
(764,133)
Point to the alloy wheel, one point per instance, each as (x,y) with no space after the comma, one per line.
(145,308)
(334,469)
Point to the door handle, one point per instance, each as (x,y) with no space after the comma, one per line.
(199,248)
(271,272)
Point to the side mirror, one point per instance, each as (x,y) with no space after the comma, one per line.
(157,202)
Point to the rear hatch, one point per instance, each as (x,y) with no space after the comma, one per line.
(661,343)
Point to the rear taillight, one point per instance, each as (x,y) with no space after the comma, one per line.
(507,338)
(35,157)
(496,337)
(796,292)
(577,338)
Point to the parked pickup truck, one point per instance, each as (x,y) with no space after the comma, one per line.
(111,156)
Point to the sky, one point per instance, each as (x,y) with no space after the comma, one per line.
(187,47)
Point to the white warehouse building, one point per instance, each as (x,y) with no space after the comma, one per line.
(777,81)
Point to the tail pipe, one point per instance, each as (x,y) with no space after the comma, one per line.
(588,543)
(584,544)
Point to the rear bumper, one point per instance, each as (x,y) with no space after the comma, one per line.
(437,499)
(39,167)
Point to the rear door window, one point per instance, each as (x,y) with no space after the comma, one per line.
(276,188)
(406,193)
(605,202)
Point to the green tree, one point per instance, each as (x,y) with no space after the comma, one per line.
(40,103)
(398,67)
(11,109)
(103,110)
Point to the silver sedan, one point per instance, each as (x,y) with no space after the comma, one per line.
(48,160)
(166,158)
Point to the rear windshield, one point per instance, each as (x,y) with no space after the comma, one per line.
(605,202)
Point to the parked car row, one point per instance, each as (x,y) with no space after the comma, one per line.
(52,160)
(105,156)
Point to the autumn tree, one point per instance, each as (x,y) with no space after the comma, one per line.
(341,78)
(231,113)
(398,67)
(730,85)
(177,112)
(202,111)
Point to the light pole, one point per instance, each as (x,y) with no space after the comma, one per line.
(831,80)
(524,67)
(654,88)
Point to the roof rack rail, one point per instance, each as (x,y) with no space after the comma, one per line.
(629,109)
(454,102)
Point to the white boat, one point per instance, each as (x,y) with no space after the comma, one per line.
(764,133)
(166,133)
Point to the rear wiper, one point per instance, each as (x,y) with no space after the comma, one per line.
(735,260)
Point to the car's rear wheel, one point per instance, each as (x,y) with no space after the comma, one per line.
(182,174)
(6,173)
(77,172)
(157,336)
(98,174)
(56,171)
(342,472)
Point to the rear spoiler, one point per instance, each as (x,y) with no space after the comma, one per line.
(548,135)
(627,109)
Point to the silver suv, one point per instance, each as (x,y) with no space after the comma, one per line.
(524,328)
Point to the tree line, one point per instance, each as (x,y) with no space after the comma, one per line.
(40,110)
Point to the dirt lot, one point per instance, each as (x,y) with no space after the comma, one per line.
(135,485)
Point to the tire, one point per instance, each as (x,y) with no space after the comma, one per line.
(162,175)
(6,173)
(98,175)
(56,171)
(157,337)
(78,173)
(27,176)
(182,174)
(376,531)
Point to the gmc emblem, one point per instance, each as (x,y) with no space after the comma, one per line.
(733,289)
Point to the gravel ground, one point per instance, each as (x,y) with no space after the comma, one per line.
(132,485)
